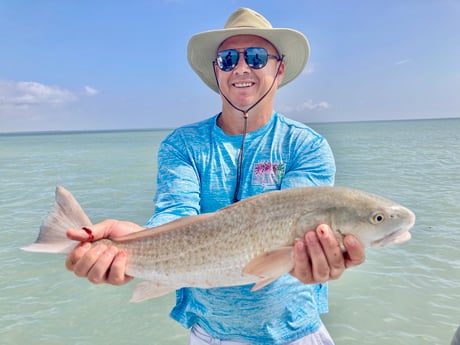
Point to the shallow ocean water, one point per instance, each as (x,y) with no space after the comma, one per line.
(406,294)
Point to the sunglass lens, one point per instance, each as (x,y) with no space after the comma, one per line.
(256,57)
(227,59)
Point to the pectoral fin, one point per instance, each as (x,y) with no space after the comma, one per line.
(270,265)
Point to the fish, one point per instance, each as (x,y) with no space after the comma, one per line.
(249,242)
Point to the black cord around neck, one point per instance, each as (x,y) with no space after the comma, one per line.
(239,169)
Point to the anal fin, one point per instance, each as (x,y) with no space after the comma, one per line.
(147,290)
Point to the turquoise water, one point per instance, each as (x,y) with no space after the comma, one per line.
(407,294)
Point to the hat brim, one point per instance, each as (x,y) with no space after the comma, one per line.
(202,49)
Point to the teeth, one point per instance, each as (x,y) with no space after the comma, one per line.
(243,84)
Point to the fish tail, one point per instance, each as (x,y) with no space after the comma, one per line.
(66,214)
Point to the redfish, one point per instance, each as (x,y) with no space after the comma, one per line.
(251,241)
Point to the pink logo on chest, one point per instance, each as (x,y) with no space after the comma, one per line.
(267,173)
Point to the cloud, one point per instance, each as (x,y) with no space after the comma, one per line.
(310,105)
(31,93)
(90,91)
(25,93)
(307,105)
(309,69)
(401,62)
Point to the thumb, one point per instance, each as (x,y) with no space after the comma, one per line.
(93,232)
(109,228)
(85,234)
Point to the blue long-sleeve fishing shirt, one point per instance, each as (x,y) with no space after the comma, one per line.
(197,168)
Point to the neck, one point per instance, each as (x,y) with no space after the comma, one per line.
(231,121)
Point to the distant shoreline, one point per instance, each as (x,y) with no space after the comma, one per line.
(83,131)
(86,131)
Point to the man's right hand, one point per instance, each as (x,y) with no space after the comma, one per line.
(100,263)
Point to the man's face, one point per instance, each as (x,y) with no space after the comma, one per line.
(244,85)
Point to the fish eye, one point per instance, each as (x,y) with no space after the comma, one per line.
(377,218)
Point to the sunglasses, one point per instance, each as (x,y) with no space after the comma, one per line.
(255,57)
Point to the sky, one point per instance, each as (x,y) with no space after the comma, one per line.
(92,65)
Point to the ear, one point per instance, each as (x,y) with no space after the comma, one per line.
(281,73)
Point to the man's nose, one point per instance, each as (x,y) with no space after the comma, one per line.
(241,65)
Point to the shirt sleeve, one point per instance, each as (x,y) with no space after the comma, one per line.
(178,183)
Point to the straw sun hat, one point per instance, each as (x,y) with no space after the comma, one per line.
(202,47)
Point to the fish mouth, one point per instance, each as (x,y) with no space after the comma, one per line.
(395,237)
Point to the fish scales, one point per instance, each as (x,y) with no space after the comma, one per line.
(247,242)
(199,253)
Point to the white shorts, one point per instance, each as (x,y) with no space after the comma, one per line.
(456,338)
(199,337)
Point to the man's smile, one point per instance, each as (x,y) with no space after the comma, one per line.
(243,84)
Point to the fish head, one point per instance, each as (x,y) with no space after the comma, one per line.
(375,221)
(390,225)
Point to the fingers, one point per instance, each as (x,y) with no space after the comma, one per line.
(87,267)
(109,267)
(319,257)
(325,256)
(302,266)
(76,254)
(318,260)
(311,263)
(355,253)
(332,252)
(99,264)
(117,274)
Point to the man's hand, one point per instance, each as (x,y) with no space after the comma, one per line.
(319,257)
(100,263)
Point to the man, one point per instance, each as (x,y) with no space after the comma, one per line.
(244,150)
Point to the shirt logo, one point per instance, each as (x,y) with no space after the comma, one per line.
(268,174)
